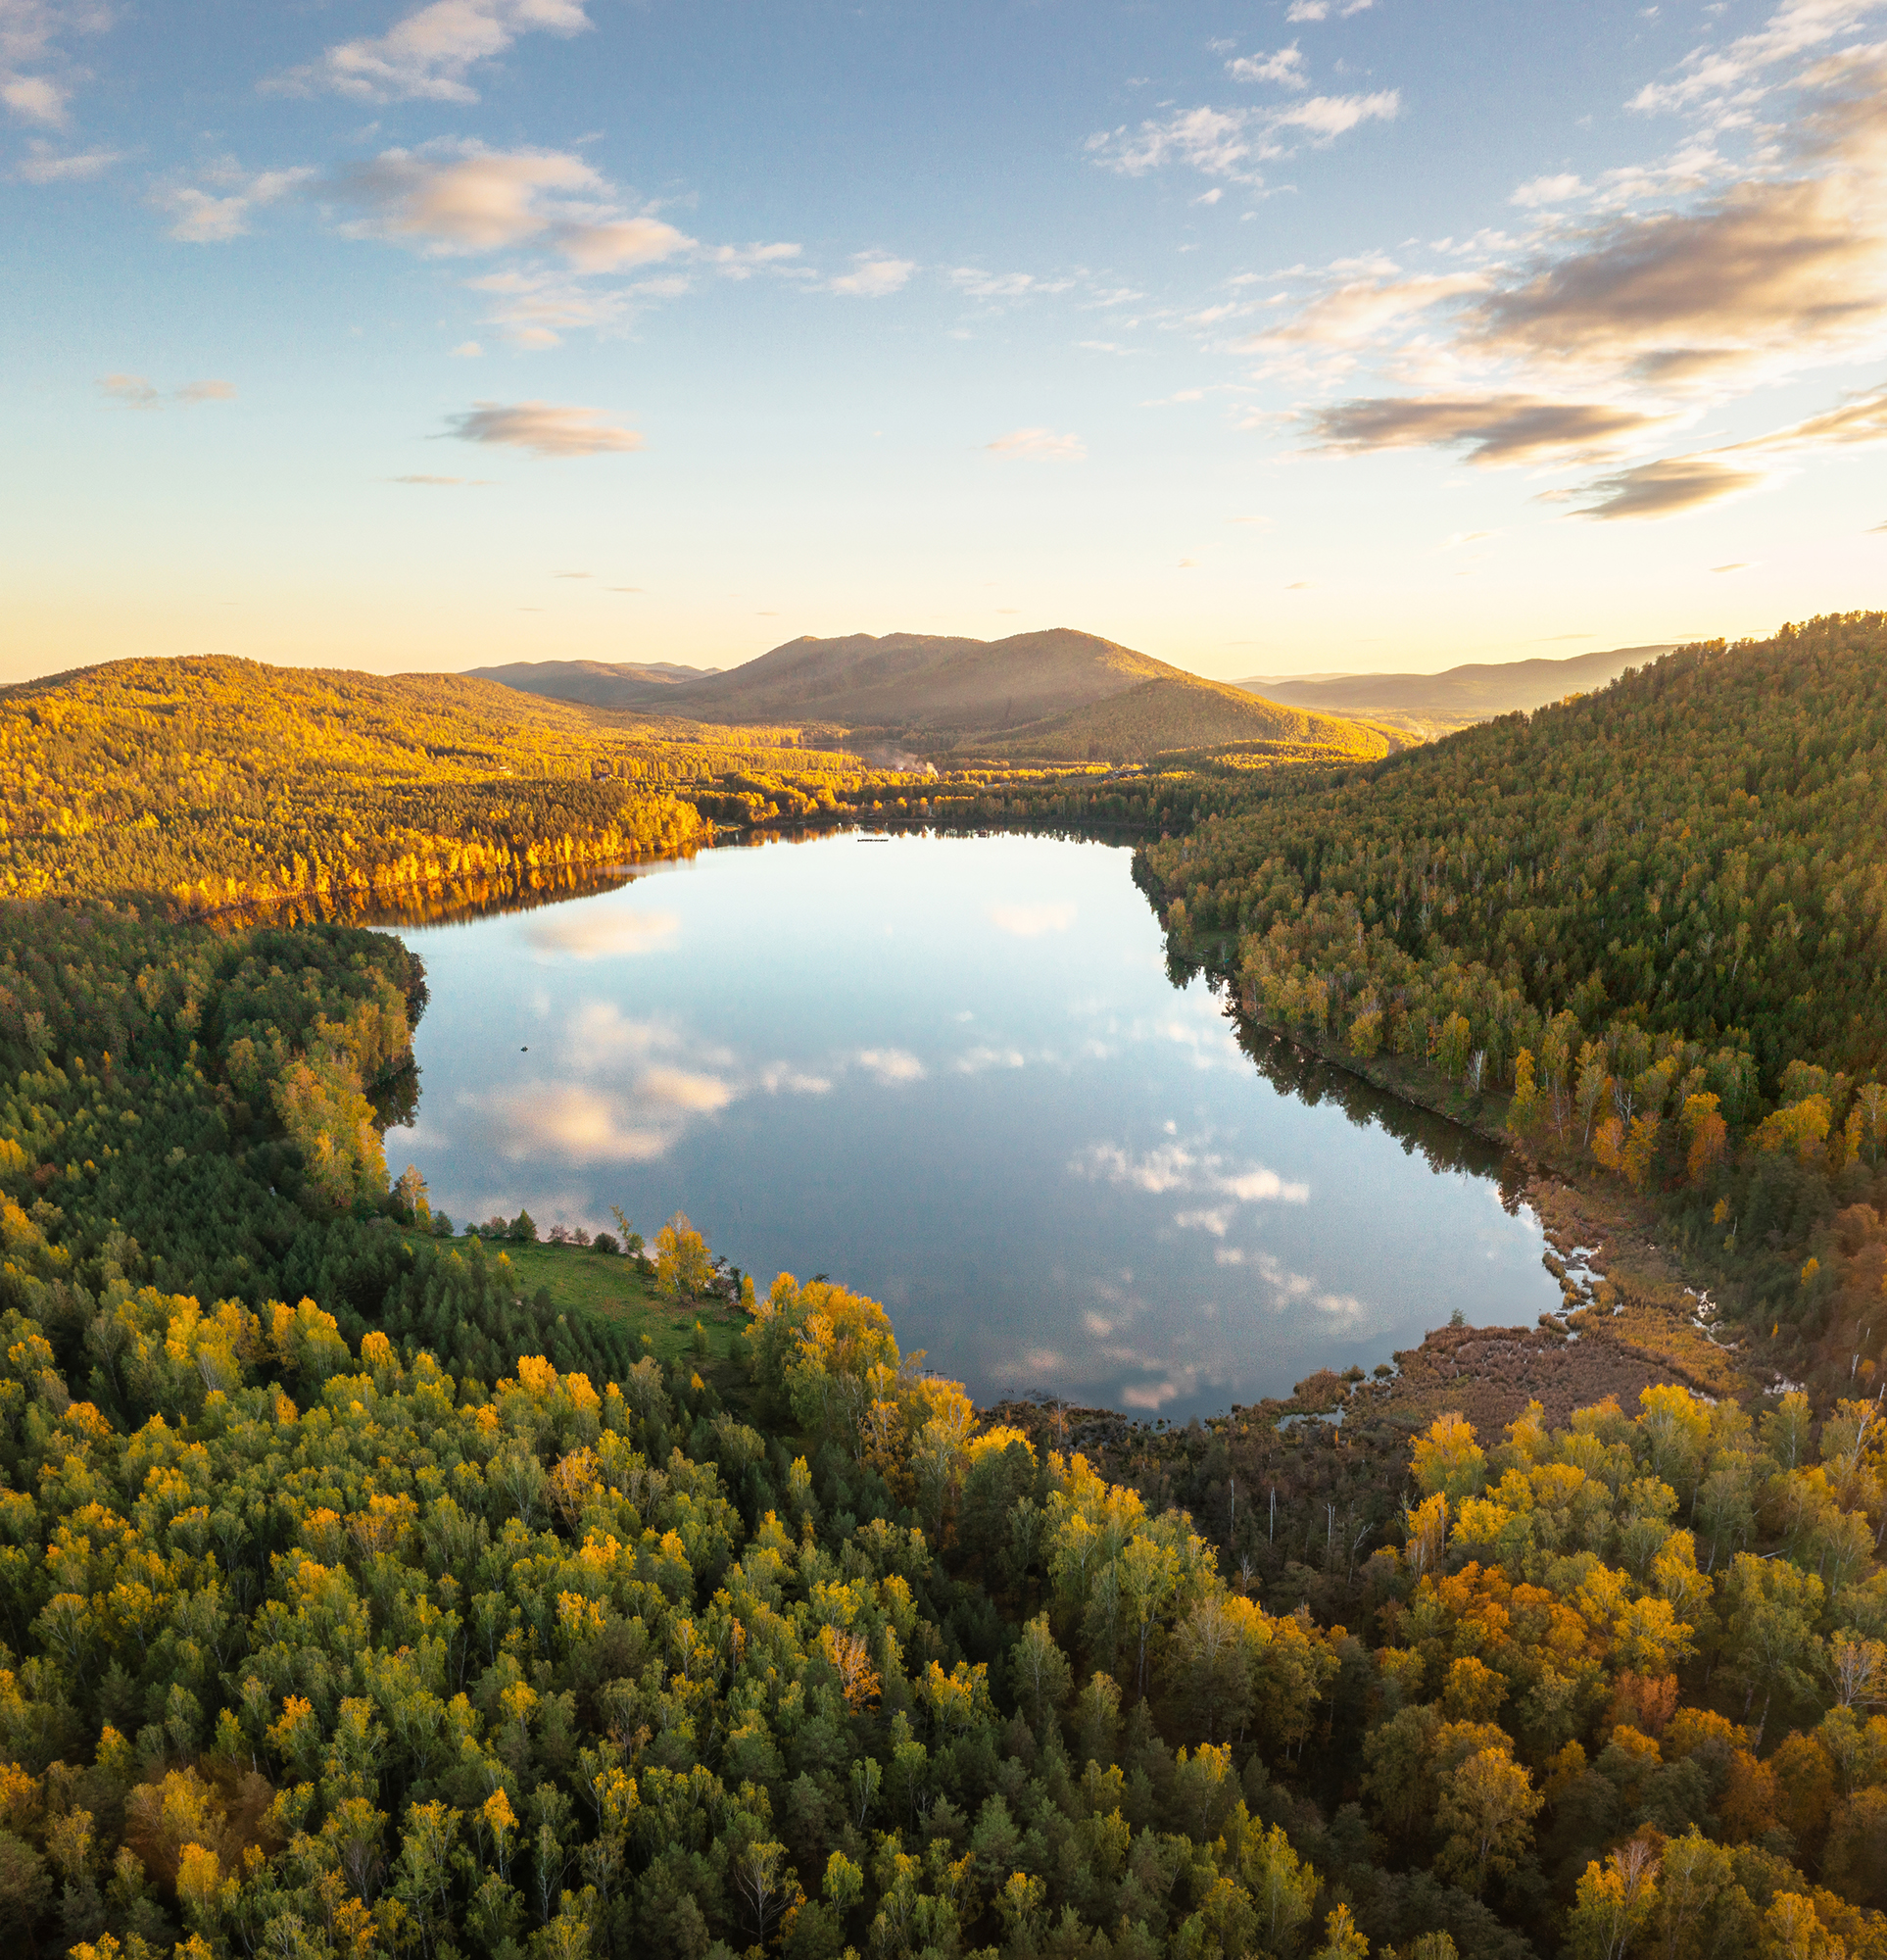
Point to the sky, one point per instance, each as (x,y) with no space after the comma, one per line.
(1313,335)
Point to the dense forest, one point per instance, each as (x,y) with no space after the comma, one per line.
(1657,916)
(356,1605)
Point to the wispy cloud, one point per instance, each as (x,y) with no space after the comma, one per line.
(43,164)
(544,429)
(428,55)
(1232,143)
(785,1078)
(893,1066)
(1490,428)
(590,933)
(982,286)
(135,391)
(218,205)
(37,77)
(1678,484)
(874,275)
(1177,1167)
(446,482)
(1663,489)
(1739,75)
(1037,445)
(1357,312)
(1286,68)
(980,1060)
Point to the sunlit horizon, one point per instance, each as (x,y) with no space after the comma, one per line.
(1272,340)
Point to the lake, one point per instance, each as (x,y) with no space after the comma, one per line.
(953,1073)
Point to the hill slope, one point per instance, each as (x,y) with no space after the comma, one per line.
(593,683)
(221,780)
(1451,700)
(1184,711)
(920,683)
(1697,852)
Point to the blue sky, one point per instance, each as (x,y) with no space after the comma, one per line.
(1274,339)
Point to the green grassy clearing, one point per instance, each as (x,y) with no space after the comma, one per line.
(612,1288)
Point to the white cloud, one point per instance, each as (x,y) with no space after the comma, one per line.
(1209,140)
(742,261)
(568,1119)
(1169,1168)
(1149,1395)
(218,207)
(1231,143)
(982,286)
(428,55)
(619,242)
(546,429)
(873,276)
(31,38)
(1731,76)
(1326,116)
(1358,312)
(467,350)
(782,1078)
(460,198)
(1039,444)
(977,1060)
(44,166)
(680,1089)
(600,1032)
(1213,1219)
(891,1065)
(35,98)
(1259,1187)
(1032,921)
(1540,192)
(1286,68)
(584,933)
(464,198)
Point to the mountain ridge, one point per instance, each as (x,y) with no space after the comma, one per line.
(929,683)
(1475,691)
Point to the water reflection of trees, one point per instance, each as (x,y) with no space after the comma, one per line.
(1443,1144)
(458,902)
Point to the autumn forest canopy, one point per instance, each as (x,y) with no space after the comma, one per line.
(358,1599)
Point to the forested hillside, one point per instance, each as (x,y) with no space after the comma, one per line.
(210,783)
(354,1605)
(1657,915)
(1182,712)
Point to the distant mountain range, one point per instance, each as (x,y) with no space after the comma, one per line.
(1430,703)
(913,683)
(1060,695)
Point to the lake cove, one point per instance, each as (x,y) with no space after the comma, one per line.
(953,1073)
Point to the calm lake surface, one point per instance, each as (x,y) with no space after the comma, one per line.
(953,1073)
